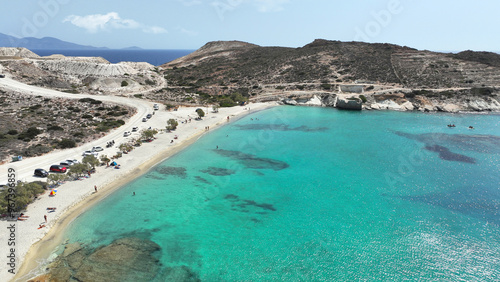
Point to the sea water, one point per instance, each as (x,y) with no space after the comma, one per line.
(318,194)
(154,57)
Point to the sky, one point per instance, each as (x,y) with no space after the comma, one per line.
(437,25)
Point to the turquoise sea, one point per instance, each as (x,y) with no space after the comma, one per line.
(318,194)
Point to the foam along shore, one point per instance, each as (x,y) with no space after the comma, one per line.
(34,246)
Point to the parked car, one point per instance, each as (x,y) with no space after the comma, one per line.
(97,149)
(90,153)
(40,172)
(149,116)
(57,168)
(156,107)
(144,119)
(2,75)
(66,164)
(126,133)
(135,128)
(72,161)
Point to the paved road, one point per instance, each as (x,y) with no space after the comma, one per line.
(26,167)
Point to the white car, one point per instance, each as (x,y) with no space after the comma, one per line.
(135,128)
(90,153)
(126,133)
(97,149)
(65,164)
(71,162)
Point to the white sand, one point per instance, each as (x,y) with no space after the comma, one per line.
(75,197)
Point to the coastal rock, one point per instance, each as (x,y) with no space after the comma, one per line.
(349,103)
(427,108)
(126,259)
(329,100)
(314,101)
(450,108)
(482,105)
(408,106)
(388,105)
(290,102)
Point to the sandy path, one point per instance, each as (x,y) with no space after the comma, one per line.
(75,197)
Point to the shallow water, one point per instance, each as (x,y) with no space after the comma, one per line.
(317,194)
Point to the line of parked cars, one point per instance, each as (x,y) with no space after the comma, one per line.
(63,166)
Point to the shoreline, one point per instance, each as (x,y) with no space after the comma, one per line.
(43,248)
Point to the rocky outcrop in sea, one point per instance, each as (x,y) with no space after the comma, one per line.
(126,259)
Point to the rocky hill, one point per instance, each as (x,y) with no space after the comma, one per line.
(16,52)
(79,74)
(222,68)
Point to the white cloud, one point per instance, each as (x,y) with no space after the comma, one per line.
(263,6)
(187,31)
(154,29)
(190,2)
(266,6)
(97,22)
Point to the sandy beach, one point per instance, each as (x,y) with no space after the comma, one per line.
(34,245)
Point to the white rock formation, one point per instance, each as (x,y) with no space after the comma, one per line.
(17,52)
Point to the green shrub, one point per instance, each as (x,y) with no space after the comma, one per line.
(326,86)
(483,91)
(29,134)
(363,98)
(35,150)
(91,101)
(25,195)
(227,102)
(67,143)
(55,128)
(12,132)
(200,113)
(172,124)
(124,83)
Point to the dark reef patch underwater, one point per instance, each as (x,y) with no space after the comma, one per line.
(446,154)
(280,127)
(251,161)
(442,142)
(217,171)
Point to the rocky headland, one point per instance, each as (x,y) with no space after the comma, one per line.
(347,75)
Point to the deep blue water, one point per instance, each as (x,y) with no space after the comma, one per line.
(154,57)
(317,194)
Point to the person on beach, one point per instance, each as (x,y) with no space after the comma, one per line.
(45,217)
(95,188)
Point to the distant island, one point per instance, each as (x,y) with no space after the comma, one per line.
(48,43)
